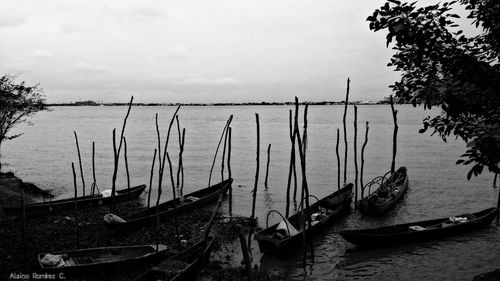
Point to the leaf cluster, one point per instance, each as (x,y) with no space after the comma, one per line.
(440,66)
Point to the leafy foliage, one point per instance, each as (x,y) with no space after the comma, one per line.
(18,102)
(442,67)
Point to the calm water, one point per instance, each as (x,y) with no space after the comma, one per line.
(438,187)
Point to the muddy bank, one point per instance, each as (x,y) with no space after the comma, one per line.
(11,189)
(57,232)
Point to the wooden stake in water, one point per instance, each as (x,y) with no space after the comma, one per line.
(80,161)
(338,159)
(228,123)
(345,129)
(76,207)
(395,135)
(291,167)
(363,160)
(267,165)
(180,167)
(246,256)
(126,163)
(116,152)
(355,155)
(229,173)
(176,223)
(223,156)
(254,193)
(151,178)
(302,154)
(94,184)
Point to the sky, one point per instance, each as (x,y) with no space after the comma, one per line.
(196,51)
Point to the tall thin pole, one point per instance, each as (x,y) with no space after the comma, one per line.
(363,160)
(94,184)
(254,193)
(80,161)
(345,129)
(228,123)
(395,135)
(76,207)
(126,163)
(355,154)
(267,165)
(229,172)
(223,156)
(176,223)
(338,159)
(116,152)
(151,179)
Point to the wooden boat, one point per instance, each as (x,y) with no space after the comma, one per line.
(283,236)
(387,195)
(82,260)
(38,209)
(182,266)
(419,231)
(166,210)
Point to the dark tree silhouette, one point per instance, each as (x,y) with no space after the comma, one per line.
(18,102)
(442,67)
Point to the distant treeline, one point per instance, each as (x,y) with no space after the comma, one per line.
(92,103)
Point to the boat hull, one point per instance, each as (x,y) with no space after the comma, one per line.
(380,206)
(430,229)
(338,202)
(166,210)
(40,209)
(104,258)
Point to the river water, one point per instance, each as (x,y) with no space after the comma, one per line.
(438,187)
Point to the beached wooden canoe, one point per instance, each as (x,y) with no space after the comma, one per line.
(43,208)
(419,231)
(166,210)
(182,266)
(284,236)
(387,195)
(82,260)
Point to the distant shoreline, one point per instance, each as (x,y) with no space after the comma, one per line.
(217,104)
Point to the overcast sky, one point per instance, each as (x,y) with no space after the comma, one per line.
(196,51)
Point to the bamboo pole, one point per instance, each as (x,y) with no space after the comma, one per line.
(80,162)
(76,207)
(94,184)
(345,130)
(355,155)
(291,167)
(162,159)
(126,163)
(338,159)
(180,165)
(229,173)
(223,156)
(117,151)
(254,193)
(176,223)
(302,155)
(267,165)
(395,135)
(151,179)
(363,161)
(228,123)
(162,166)
(246,256)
